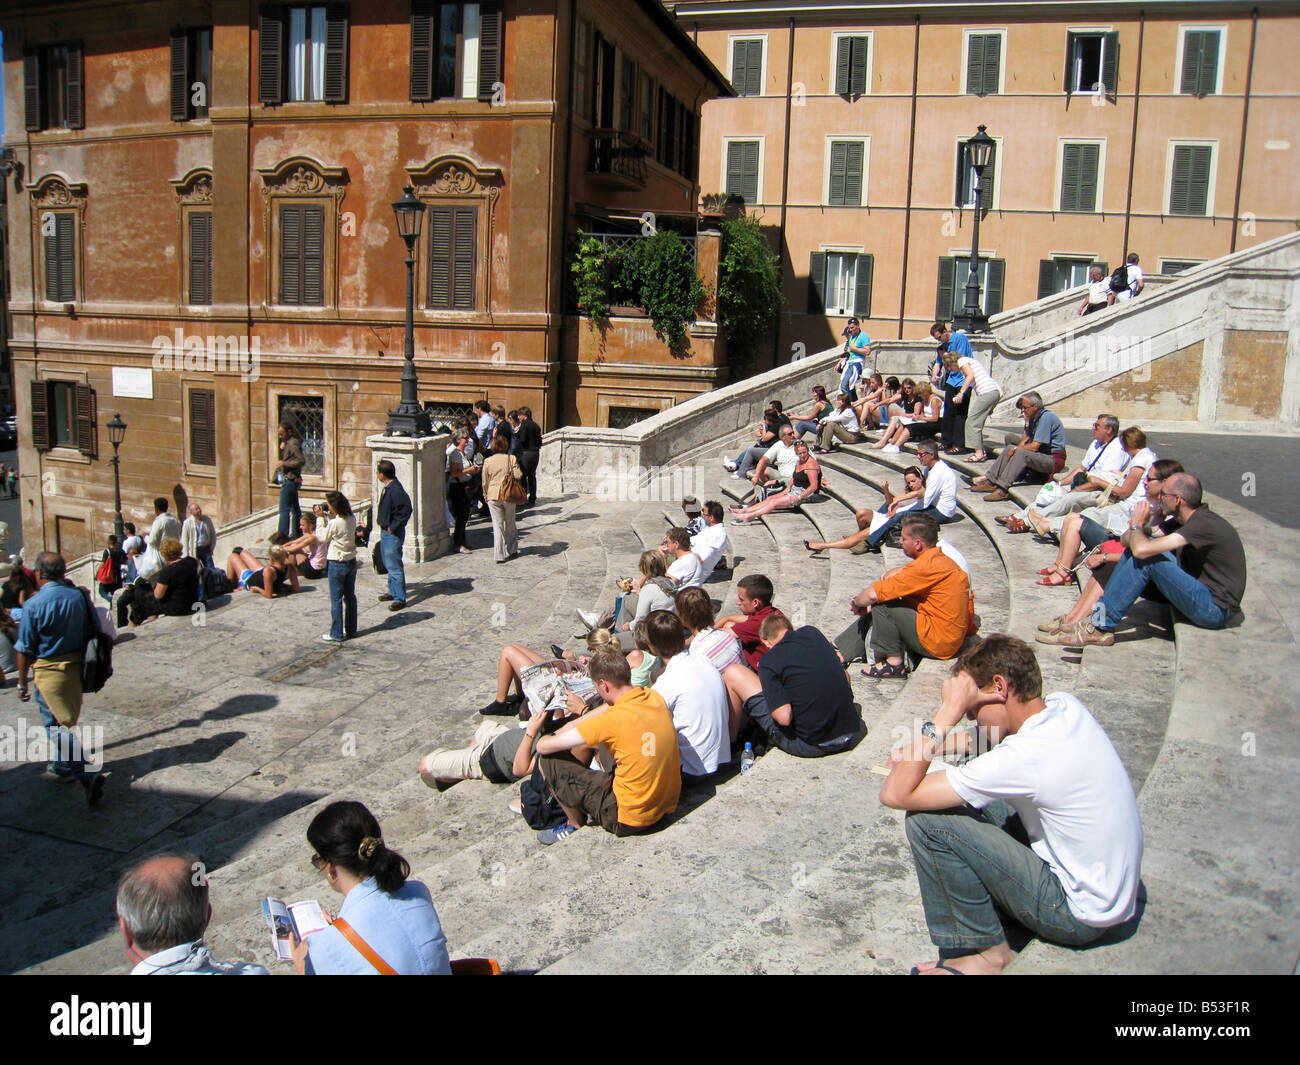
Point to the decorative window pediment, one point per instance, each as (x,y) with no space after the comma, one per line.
(54,191)
(194,188)
(302,220)
(58,212)
(303,176)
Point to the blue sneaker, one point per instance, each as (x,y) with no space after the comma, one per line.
(554,835)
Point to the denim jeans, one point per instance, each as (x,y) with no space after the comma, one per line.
(343,598)
(1184,592)
(748,459)
(971,863)
(390,549)
(290,512)
(62,741)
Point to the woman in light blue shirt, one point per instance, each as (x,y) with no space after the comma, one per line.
(393,917)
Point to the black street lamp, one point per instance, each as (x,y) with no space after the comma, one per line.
(979,150)
(410,419)
(116,434)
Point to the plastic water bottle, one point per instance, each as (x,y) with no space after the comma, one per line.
(747,758)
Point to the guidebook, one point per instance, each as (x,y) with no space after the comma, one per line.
(298,918)
(547,685)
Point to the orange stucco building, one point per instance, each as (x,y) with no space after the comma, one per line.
(201,235)
(1168,129)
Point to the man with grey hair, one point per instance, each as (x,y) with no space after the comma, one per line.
(1040,449)
(1104,461)
(1098,298)
(163,911)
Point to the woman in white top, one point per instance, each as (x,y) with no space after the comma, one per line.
(987,393)
(340,539)
(841,425)
(920,426)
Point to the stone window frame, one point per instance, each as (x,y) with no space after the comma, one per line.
(193,193)
(55,194)
(990,31)
(303,181)
(327,479)
(454,181)
(69,453)
(192,468)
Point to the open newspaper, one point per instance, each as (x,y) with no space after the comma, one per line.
(547,685)
(298,918)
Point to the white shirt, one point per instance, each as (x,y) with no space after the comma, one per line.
(1106,459)
(709,545)
(697,699)
(783,458)
(847,417)
(1099,291)
(193,959)
(686,571)
(1063,777)
(984,383)
(1134,276)
(719,648)
(956,556)
(941,489)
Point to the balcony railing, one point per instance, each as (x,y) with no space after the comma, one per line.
(618,157)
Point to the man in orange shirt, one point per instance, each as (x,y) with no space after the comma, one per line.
(637,729)
(922,608)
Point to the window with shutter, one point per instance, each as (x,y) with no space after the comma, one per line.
(203,427)
(180,75)
(302,256)
(983,63)
(87,430)
(59,234)
(453,258)
(582,70)
(1189,186)
(199,224)
(851,65)
(747,66)
(626,90)
(1200,74)
(817,282)
(1079,176)
(954,273)
(646,109)
(336,54)
(40,396)
(53,87)
(1092,62)
(742,170)
(862,287)
(844,188)
(270,54)
(966,179)
(422,26)
(491,45)
(303,53)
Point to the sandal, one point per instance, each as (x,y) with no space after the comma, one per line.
(808,546)
(879,670)
(980,456)
(1065,575)
(1017,525)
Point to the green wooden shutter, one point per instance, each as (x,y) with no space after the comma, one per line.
(993,285)
(986,181)
(33,99)
(491,41)
(203,427)
(60,260)
(422,37)
(200,230)
(754,69)
(291,255)
(463,247)
(817,282)
(1200,62)
(843,60)
(1209,66)
(862,286)
(1079,177)
(742,170)
(839,163)
(270,54)
(853,172)
(944,297)
(40,393)
(76,114)
(313,256)
(1069,62)
(440,223)
(992,62)
(1110,62)
(86,412)
(1046,278)
(1190,184)
(180,75)
(336,54)
(858,66)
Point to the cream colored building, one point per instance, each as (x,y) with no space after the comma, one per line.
(1168,129)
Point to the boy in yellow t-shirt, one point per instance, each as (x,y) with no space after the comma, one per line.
(637,730)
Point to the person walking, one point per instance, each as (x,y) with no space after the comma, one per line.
(528,448)
(289,474)
(460,479)
(505,538)
(52,637)
(394,513)
(340,537)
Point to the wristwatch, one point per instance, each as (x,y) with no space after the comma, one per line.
(929,731)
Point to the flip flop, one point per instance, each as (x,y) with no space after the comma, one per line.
(940,965)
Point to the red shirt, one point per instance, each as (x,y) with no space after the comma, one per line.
(747,633)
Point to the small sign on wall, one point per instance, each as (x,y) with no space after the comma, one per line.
(131,382)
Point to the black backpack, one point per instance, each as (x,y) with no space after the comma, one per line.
(212,583)
(1119,279)
(97,666)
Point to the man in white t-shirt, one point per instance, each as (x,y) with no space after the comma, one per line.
(1135,278)
(1057,842)
(1104,463)
(684,565)
(696,697)
(780,460)
(710,544)
(939,501)
(1099,294)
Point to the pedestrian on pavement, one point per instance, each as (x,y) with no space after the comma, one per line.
(528,441)
(394,513)
(51,645)
(289,474)
(339,534)
(505,538)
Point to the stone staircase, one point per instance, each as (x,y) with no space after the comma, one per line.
(226,738)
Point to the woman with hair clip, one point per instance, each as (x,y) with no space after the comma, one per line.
(387,924)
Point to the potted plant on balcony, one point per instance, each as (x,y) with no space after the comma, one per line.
(660,270)
(590,269)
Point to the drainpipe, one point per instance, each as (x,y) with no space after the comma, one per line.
(911,165)
(1132,144)
(1245,113)
(566,154)
(785,180)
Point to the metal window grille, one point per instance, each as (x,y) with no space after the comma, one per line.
(307,416)
(449,414)
(624,417)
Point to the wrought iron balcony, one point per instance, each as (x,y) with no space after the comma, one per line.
(618,158)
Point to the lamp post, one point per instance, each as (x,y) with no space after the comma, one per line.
(409,419)
(979,150)
(116,434)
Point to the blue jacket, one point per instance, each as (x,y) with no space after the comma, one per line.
(394,508)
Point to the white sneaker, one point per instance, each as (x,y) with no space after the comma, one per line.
(516,806)
(728,465)
(588,618)
(735,476)
(891,449)
(327,638)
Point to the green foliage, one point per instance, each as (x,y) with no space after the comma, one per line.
(590,268)
(749,288)
(660,271)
